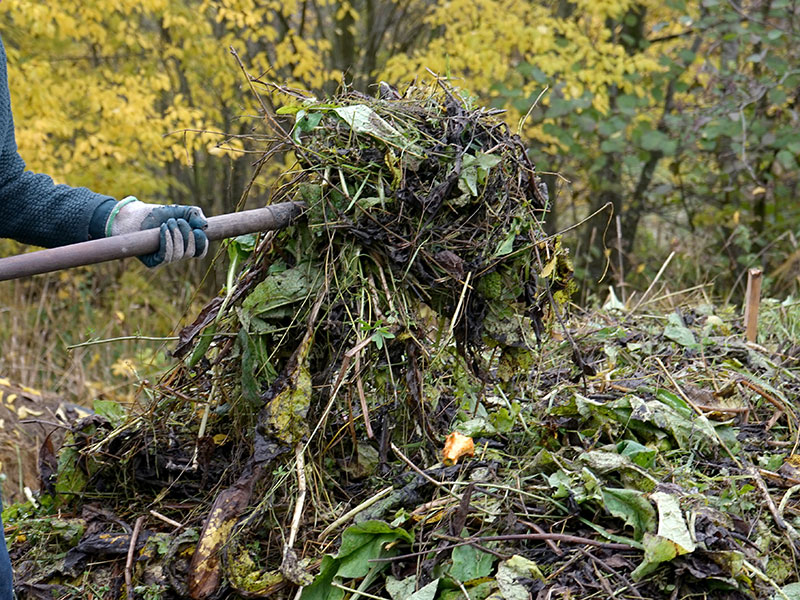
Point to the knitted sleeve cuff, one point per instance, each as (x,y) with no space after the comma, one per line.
(97,224)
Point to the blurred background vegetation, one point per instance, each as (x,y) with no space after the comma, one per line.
(674,123)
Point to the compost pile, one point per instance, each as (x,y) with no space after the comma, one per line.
(389,400)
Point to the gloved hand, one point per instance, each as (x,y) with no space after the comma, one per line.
(181,227)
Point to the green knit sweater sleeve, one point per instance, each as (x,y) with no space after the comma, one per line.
(33,209)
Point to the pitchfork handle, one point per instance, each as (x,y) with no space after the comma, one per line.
(275,216)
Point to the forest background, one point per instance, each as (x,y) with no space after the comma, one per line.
(682,117)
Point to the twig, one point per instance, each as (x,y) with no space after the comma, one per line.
(362,398)
(603,208)
(768,397)
(786,497)
(476,545)
(652,284)
(355,591)
(558,551)
(129,562)
(456,315)
(422,473)
(301,497)
(530,110)
(267,114)
(457,312)
(558,537)
(166,519)
(779,478)
(764,577)
(790,531)
(678,293)
(599,576)
(354,511)
(463,589)
(621,279)
(343,369)
(124,338)
(43,422)
(610,569)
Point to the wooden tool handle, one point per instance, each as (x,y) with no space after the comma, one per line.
(275,216)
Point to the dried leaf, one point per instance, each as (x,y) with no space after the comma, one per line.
(457,445)
(205,570)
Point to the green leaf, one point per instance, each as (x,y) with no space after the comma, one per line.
(278,290)
(468,181)
(113,411)
(637,453)
(356,562)
(786,159)
(673,537)
(671,524)
(679,333)
(71,480)
(470,563)
(613,144)
(626,104)
(791,591)
(400,590)
(203,344)
(633,507)
(558,108)
(360,544)
(362,119)
(482,164)
(604,462)
(657,550)
(241,247)
(363,542)
(512,575)
(256,367)
(477,427)
(427,592)
(379,337)
(675,402)
(322,589)
(653,140)
(307,121)
(562,483)
(507,245)
(793,147)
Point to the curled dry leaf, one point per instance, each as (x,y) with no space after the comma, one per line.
(457,445)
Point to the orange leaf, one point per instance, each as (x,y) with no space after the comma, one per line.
(457,445)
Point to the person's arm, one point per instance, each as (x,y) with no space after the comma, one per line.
(33,209)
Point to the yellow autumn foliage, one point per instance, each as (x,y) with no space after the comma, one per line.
(484,43)
(108,94)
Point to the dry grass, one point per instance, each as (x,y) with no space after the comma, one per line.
(43,319)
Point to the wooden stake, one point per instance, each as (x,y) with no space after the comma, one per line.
(751,304)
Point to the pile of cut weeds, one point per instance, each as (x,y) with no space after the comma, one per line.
(389,400)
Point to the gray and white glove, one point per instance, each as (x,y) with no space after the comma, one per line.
(182,234)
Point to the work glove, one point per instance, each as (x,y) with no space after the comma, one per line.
(182,234)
